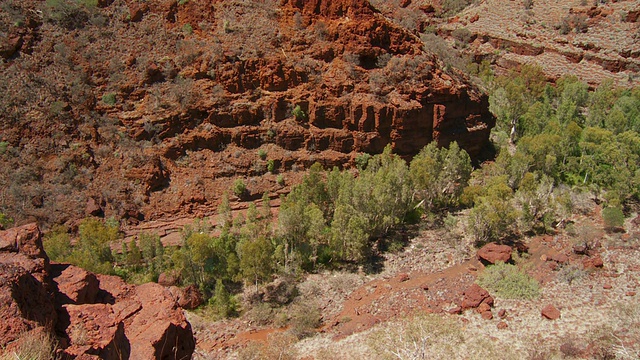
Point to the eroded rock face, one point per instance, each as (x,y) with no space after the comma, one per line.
(94,316)
(25,303)
(363,82)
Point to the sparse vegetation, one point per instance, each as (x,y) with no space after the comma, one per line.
(432,335)
(558,147)
(452,7)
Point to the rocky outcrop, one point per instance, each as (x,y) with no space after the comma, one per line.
(26,301)
(93,316)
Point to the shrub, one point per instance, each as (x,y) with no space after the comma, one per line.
(239,188)
(298,113)
(109,99)
(570,273)
(280,180)
(271,166)
(451,7)
(462,34)
(305,318)
(509,282)
(57,244)
(3,147)
(613,217)
(262,154)
(5,221)
(93,250)
(67,14)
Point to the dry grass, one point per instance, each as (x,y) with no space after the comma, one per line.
(279,346)
(420,337)
(32,345)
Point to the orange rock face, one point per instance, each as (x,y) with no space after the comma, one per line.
(99,315)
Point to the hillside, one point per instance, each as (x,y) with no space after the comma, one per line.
(593,40)
(351,179)
(146,111)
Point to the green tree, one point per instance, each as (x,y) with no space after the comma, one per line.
(256,262)
(221,300)
(369,206)
(439,175)
(201,259)
(224,212)
(493,216)
(134,255)
(600,102)
(148,243)
(535,199)
(513,95)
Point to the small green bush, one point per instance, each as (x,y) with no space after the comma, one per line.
(187,29)
(298,113)
(109,99)
(262,154)
(509,282)
(3,147)
(613,217)
(239,188)
(271,166)
(362,160)
(280,180)
(57,244)
(5,221)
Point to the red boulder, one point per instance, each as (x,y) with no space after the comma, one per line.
(550,312)
(474,296)
(493,253)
